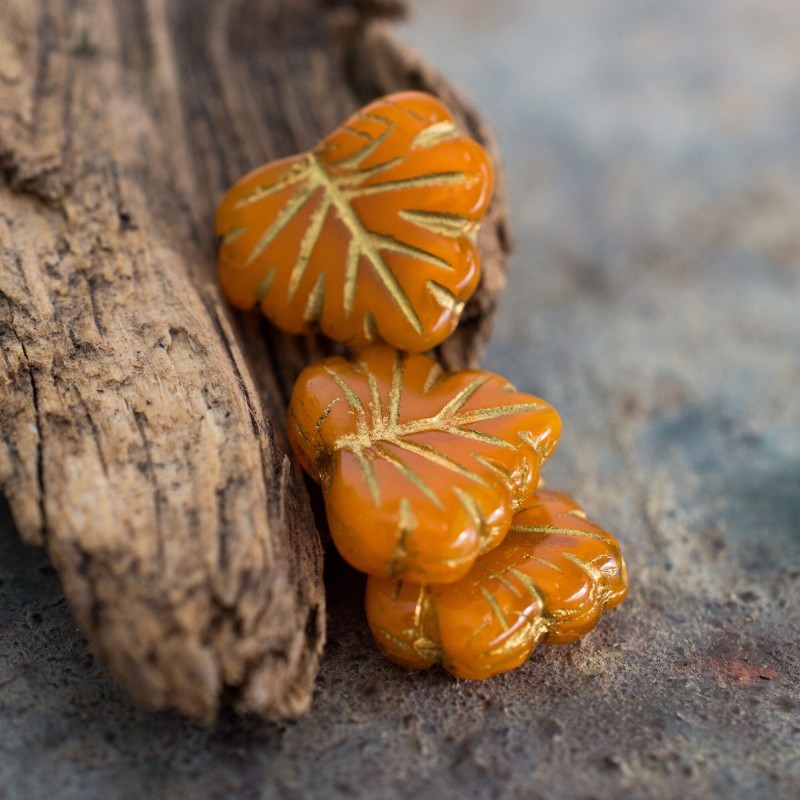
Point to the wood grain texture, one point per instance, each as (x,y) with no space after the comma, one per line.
(654,181)
(142,423)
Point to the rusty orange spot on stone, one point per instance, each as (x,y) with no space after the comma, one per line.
(727,671)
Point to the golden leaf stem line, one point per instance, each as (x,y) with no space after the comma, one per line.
(393,432)
(444,297)
(419,609)
(500,578)
(408,520)
(265,284)
(525,633)
(411,476)
(395,246)
(485,438)
(351,275)
(407,525)
(495,606)
(316,300)
(356,132)
(396,640)
(493,412)
(345,181)
(434,377)
(368,474)
(454,424)
(307,245)
(545,563)
(535,444)
(441,222)
(549,530)
(285,216)
(294,175)
(370,327)
(530,585)
(503,473)
(300,430)
(355,160)
(375,402)
(423,181)
(460,400)
(396,391)
(376,118)
(405,109)
(233,234)
(467,502)
(529,508)
(353,400)
(478,631)
(590,569)
(433,134)
(326,413)
(440,459)
(366,245)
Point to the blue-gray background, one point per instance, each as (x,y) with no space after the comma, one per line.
(653,164)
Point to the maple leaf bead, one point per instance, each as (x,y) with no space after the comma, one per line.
(368,237)
(548,581)
(421,470)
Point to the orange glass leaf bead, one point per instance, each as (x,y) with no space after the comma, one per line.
(421,470)
(368,237)
(548,581)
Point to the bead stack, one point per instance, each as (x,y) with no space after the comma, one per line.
(431,479)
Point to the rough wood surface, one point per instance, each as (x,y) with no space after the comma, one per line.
(654,182)
(141,422)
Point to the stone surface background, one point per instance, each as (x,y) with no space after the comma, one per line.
(653,155)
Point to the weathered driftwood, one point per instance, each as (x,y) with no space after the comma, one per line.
(141,422)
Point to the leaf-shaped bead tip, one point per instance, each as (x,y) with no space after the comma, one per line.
(421,470)
(368,237)
(549,580)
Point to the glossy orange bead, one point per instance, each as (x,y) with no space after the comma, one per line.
(368,237)
(421,470)
(549,580)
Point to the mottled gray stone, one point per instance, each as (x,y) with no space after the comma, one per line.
(653,153)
